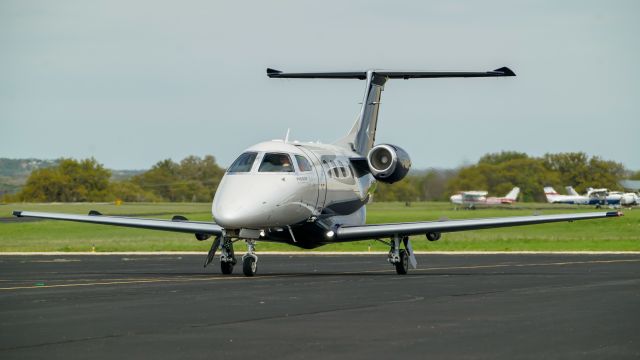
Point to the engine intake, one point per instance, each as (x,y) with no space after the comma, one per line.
(388,163)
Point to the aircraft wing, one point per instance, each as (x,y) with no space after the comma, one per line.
(177,224)
(373,231)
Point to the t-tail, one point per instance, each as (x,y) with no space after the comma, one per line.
(362,136)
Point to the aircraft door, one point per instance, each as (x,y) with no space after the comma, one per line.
(319,178)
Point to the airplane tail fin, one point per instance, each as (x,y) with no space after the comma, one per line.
(550,193)
(362,135)
(571,190)
(513,194)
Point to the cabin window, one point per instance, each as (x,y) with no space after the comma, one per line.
(342,169)
(243,163)
(274,162)
(335,169)
(329,174)
(303,163)
(351,172)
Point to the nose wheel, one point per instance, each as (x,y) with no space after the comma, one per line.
(250,259)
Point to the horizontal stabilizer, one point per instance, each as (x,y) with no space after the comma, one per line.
(362,75)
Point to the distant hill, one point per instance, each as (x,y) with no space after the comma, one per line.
(15,172)
(16,168)
(120,175)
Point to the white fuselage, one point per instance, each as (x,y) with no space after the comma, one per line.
(474,199)
(266,196)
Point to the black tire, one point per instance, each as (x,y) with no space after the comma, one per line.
(402,267)
(249,266)
(431,236)
(226,267)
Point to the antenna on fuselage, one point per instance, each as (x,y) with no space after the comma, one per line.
(362,135)
(286,137)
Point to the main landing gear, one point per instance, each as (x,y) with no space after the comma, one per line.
(227,257)
(400,258)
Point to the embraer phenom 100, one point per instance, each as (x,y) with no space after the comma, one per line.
(312,194)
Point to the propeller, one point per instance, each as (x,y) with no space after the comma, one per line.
(412,256)
(212,251)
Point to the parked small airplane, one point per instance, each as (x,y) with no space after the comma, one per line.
(622,198)
(312,194)
(603,196)
(473,199)
(573,197)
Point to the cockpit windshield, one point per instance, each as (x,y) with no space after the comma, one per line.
(243,163)
(274,162)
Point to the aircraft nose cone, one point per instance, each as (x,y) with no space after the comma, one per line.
(234,207)
(256,201)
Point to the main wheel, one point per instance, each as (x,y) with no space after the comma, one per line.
(402,267)
(226,267)
(249,266)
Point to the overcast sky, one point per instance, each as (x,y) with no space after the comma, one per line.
(134,82)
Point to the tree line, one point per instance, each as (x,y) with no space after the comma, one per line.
(196,179)
(193,179)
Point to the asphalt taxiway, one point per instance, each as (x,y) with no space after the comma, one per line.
(317,307)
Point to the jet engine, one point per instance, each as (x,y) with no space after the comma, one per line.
(388,163)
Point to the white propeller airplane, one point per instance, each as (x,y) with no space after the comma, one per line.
(472,199)
(603,196)
(312,194)
(573,198)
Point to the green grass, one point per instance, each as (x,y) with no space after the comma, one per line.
(618,234)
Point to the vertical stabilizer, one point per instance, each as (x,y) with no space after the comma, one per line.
(513,194)
(363,133)
(571,190)
(550,193)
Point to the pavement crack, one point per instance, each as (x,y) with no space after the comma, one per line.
(477,293)
(62,342)
(308,313)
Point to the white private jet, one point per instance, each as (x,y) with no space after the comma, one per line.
(312,194)
(472,199)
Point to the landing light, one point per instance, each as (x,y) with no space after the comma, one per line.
(330,233)
(262,233)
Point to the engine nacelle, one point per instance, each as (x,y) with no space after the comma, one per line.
(388,163)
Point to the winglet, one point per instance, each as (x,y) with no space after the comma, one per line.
(94,213)
(506,71)
(17,213)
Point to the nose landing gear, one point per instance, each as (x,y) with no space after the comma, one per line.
(250,259)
